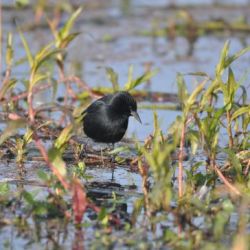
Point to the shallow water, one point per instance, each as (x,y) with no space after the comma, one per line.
(123,22)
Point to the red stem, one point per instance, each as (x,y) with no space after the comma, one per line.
(226,182)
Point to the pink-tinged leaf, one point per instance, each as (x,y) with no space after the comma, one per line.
(79,201)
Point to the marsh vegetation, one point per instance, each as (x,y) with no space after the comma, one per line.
(180,180)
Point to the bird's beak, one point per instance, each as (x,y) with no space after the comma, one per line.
(136,116)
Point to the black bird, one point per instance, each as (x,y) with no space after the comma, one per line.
(106,119)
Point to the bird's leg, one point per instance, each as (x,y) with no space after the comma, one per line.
(113,163)
(113,155)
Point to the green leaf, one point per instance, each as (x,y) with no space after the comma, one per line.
(9,51)
(192,98)
(42,175)
(63,33)
(44,55)
(11,129)
(103,216)
(182,89)
(64,137)
(219,223)
(119,150)
(9,85)
(222,65)
(28,197)
(22,3)
(26,47)
(194,138)
(113,78)
(235,162)
(37,78)
(28,135)
(241,111)
(197,74)
(143,78)
(55,158)
(65,41)
(231,89)
(4,188)
(130,74)
(214,122)
(210,91)
(234,57)
(43,51)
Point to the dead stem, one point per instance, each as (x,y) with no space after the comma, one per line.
(247,168)
(144,174)
(226,182)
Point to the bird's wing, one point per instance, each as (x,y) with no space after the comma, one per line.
(105,100)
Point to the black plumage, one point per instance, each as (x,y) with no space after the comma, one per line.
(106,119)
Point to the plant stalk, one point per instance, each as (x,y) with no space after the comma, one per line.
(229,130)
(180,158)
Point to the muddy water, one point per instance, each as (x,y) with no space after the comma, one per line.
(111,36)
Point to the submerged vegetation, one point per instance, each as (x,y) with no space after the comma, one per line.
(195,177)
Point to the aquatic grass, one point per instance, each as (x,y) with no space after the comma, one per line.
(189,211)
(53,157)
(131,82)
(201,123)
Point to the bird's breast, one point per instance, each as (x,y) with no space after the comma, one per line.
(103,127)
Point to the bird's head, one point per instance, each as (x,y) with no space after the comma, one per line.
(123,103)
